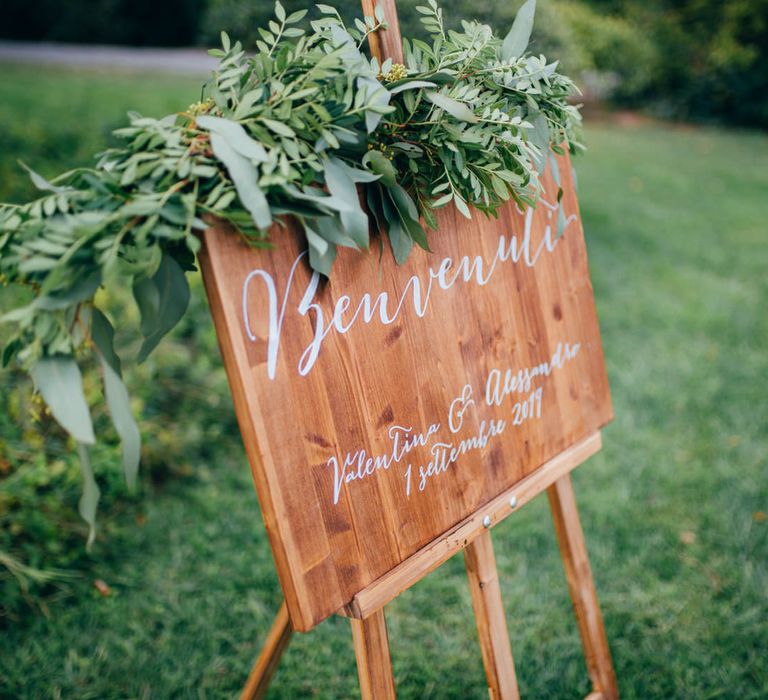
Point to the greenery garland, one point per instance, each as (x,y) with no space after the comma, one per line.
(292,129)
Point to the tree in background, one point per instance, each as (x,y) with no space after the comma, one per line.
(703,60)
(720,60)
(713,57)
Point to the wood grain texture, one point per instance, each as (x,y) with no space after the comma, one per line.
(413,569)
(386,43)
(582,588)
(490,619)
(275,644)
(374,665)
(470,310)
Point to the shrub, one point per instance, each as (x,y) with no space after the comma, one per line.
(182,402)
(42,537)
(608,45)
(715,63)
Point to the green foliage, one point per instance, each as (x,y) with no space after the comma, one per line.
(490,149)
(54,120)
(715,59)
(673,508)
(179,395)
(41,533)
(610,46)
(293,129)
(690,59)
(40,484)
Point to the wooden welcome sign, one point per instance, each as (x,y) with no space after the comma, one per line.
(393,414)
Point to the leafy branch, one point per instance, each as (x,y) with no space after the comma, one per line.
(297,128)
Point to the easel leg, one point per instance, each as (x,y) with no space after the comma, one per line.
(374,664)
(490,619)
(276,643)
(582,587)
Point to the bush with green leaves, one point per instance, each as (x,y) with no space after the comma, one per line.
(186,422)
(608,45)
(715,65)
(698,60)
(292,130)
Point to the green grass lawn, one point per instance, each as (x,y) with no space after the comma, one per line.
(673,507)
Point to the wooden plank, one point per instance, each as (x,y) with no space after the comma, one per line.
(582,588)
(490,618)
(348,391)
(276,643)
(377,384)
(413,569)
(235,358)
(386,43)
(374,665)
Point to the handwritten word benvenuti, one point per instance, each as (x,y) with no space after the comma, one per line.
(508,398)
(417,292)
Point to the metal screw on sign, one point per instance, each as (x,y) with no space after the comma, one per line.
(513,502)
(487,521)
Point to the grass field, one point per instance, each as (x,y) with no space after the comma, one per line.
(674,507)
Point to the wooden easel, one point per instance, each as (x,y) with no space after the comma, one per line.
(366,610)
(369,629)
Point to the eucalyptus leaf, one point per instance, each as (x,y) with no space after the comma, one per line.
(331,229)
(279,128)
(120,409)
(540,137)
(410,85)
(245,179)
(377,98)
(40,182)
(296,16)
(89,498)
(409,215)
(340,184)
(235,135)
(147,297)
(60,383)
(442,201)
(399,240)
(10,349)
(358,175)
(555,168)
(461,205)
(321,252)
(103,337)
(455,108)
(516,41)
(165,304)
(381,166)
